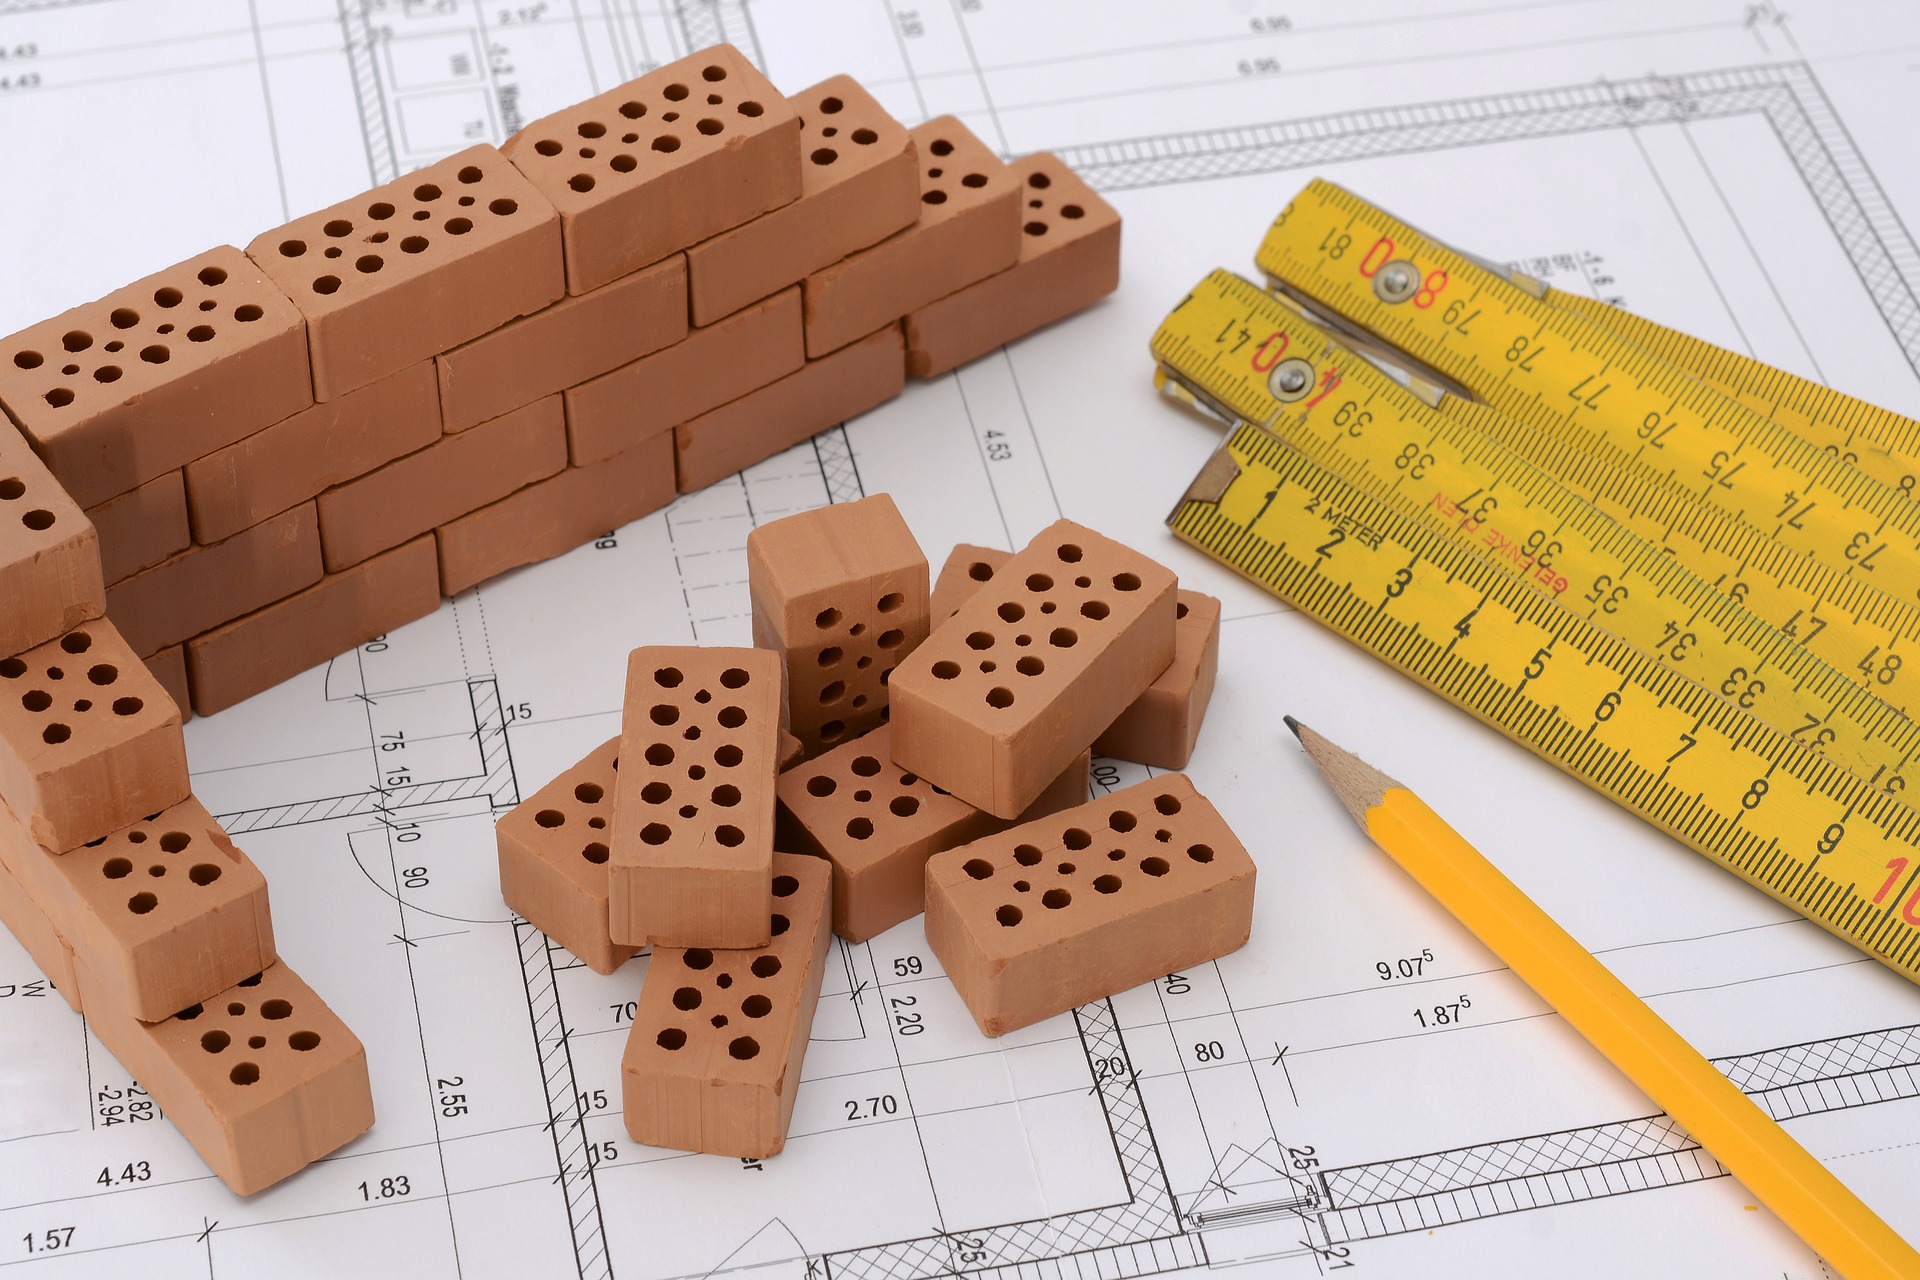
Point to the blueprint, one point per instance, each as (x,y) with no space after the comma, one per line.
(1362,1087)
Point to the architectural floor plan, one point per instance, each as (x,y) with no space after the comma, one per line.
(1362,1087)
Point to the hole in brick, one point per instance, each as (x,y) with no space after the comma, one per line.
(204,332)
(1072,211)
(1039,181)
(1000,697)
(1154,866)
(729,836)
(826,618)
(127,706)
(709,126)
(1054,899)
(413,244)
(866,766)
(671,1038)
(55,734)
(696,958)
(1066,868)
(76,340)
(833,691)
(155,354)
(821,786)
(941,147)
(338,227)
(744,1048)
(659,754)
(245,1073)
(756,1006)
(1035,228)
(274,1010)
(719,1020)
(765,966)
(459,226)
(655,833)
(623,163)
(304,1041)
(935,196)
(1096,610)
(1029,666)
(824,155)
(1069,553)
(28,359)
(1167,804)
(325,284)
(115,345)
(714,99)
(549,818)
(156,871)
(1200,852)
(59,397)
(734,678)
(988,668)
(368,263)
(858,628)
(687,999)
(247,314)
(596,852)
(891,639)
(731,717)
(779,924)
(865,137)
(904,806)
(980,640)
(859,701)
(750,109)
(1163,835)
(1021,886)
(861,797)
(589,793)
(1026,855)
(728,755)
(141,903)
(664,713)
(1116,855)
(1126,582)
(785,886)
(211,276)
(502,207)
(204,873)
(726,796)
(215,1041)
(123,317)
(1075,838)
(107,373)
(688,810)
(1106,884)
(175,841)
(581,182)
(1008,916)
(692,733)
(36,700)
(666,142)
(656,793)
(865,662)
(978,868)
(1121,820)
(11,488)
(117,869)
(171,297)
(256,1042)
(860,828)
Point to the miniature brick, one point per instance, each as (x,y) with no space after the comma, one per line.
(966,568)
(554,847)
(554,516)
(169,668)
(165,912)
(89,741)
(1069,259)
(694,827)
(840,593)
(577,338)
(415,267)
(713,1060)
(262,1079)
(203,587)
(156,374)
(663,162)
(1033,667)
(1078,906)
(799,406)
(878,824)
(50,573)
(708,368)
(233,662)
(859,183)
(969,229)
(442,482)
(303,456)
(33,931)
(1162,725)
(142,527)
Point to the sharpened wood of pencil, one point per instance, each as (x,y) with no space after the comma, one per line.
(1780,1173)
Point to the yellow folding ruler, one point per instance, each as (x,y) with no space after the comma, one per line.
(1655,646)
(1550,366)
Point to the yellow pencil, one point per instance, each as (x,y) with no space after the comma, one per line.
(1779,1172)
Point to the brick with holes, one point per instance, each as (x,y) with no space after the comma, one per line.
(1163,724)
(663,162)
(553,849)
(1033,667)
(89,741)
(143,526)
(415,266)
(840,593)
(1069,259)
(262,1079)
(1081,905)
(165,912)
(878,824)
(693,829)
(713,1060)
(968,229)
(50,573)
(152,376)
(859,183)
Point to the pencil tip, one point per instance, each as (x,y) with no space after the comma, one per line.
(1292,724)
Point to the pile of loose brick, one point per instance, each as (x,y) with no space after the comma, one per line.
(881,752)
(237,468)
(290,450)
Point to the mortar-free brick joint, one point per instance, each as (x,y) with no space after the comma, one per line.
(240,466)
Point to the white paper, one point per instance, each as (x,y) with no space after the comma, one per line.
(1737,171)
